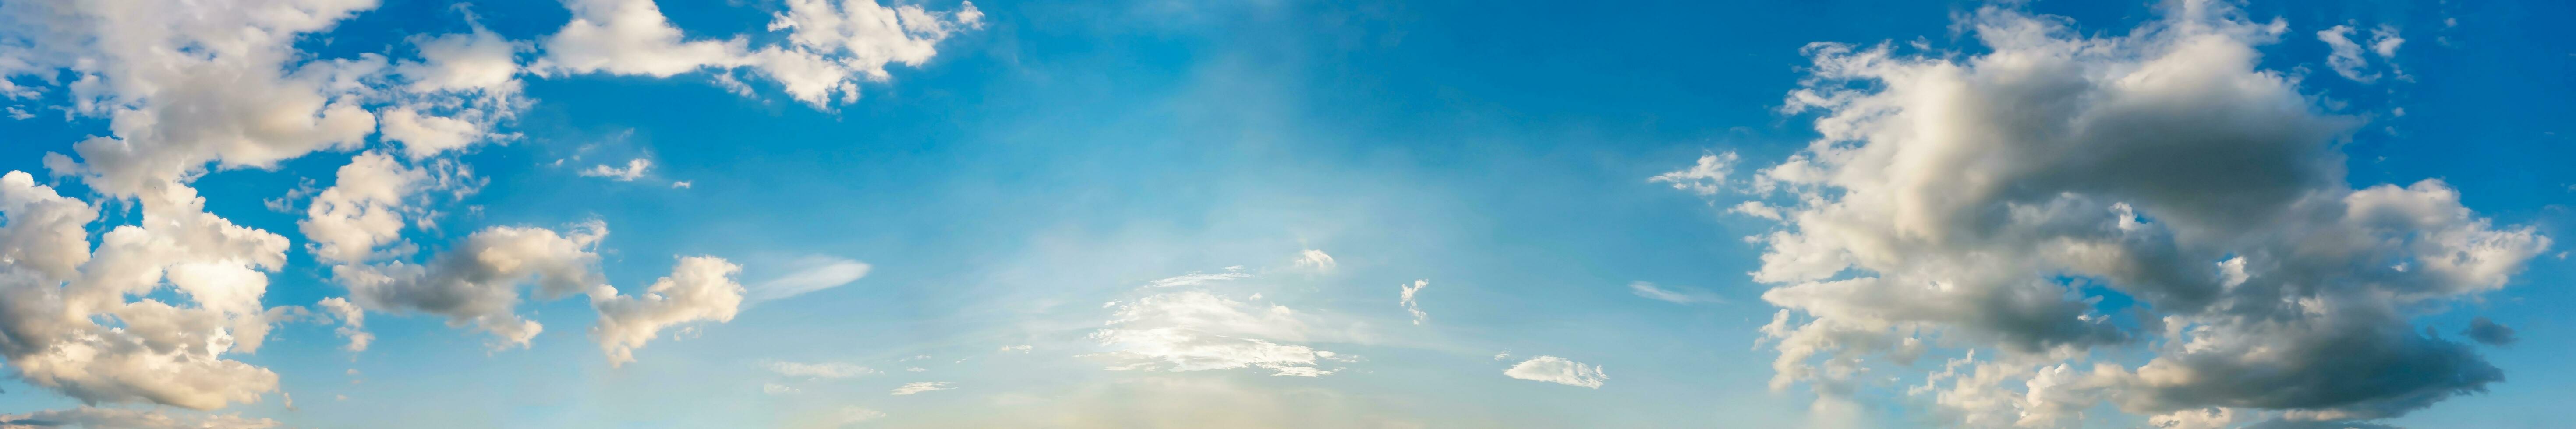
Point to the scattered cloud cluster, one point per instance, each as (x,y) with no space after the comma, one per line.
(1557,370)
(2346,56)
(1404,297)
(1315,260)
(187,89)
(1996,201)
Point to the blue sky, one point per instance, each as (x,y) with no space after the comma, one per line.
(1001,229)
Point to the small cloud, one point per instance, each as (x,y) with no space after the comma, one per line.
(1506,354)
(1316,260)
(2489,332)
(915,369)
(1704,178)
(1681,296)
(808,274)
(1558,370)
(1409,304)
(680,184)
(912,388)
(1023,348)
(1194,278)
(634,169)
(776,389)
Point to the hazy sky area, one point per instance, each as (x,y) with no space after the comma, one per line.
(1286,214)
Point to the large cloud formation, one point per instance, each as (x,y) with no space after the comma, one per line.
(153,311)
(2064,199)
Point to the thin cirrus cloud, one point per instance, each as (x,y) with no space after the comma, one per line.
(1672,295)
(808,274)
(918,387)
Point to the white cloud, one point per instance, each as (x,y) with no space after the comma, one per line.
(918,387)
(809,274)
(1405,298)
(634,169)
(817,370)
(700,289)
(1558,370)
(681,184)
(353,323)
(1195,278)
(1316,260)
(1705,178)
(1194,330)
(2346,57)
(1023,348)
(1650,291)
(915,369)
(1940,207)
(829,47)
(776,389)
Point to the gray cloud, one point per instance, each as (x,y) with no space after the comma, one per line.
(2489,332)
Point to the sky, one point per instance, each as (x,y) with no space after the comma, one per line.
(1286,213)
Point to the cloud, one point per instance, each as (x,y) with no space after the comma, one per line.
(634,170)
(828,49)
(353,322)
(918,387)
(1195,278)
(1405,298)
(1650,291)
(816,370)
(699,289)
(1704,178)
(846,416)
(1991,200)
(120,418)
(1315,260)
(809,274)
(1023,348)
(2346,55)
(776,389)
(1194,330)
(2489,332)
(1558,370)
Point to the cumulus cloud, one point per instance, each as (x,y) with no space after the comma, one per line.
(120,418)
(699,289)
(1558,370)
(808,274)
(634,169)
(1195,330)
(1404,298)
(1658,293)
(829,46)
(918,387)
(353,322)
(1991,200)
(1315,260)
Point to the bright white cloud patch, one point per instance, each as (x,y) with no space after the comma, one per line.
(1704,178)
(1558,370)
(912,388)
(1195,330)
(2346,56)
(700,289)
(808,274)
(1315,260)
(1952,193)
(1404,298)
(1196,278)
(634,169)
(829,48)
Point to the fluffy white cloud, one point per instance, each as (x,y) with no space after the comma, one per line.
(353,322)
(808,274)
(918,387)
(1558,370)
(634,169)
(120,418)
(1953,193)
(830,47)
(700,289)
(1194,330)
(1316,260)
(816,370)
(1404,298)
